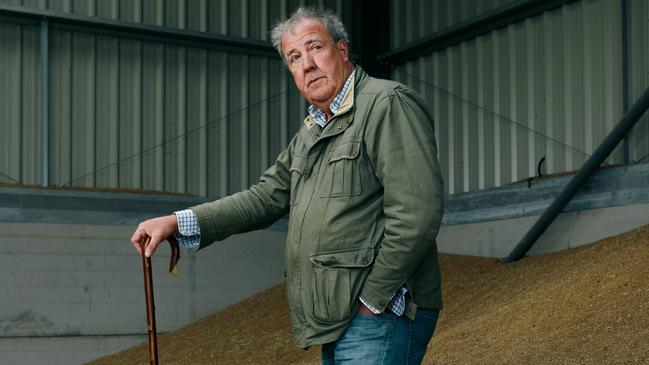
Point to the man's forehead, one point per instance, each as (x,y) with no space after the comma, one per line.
(306,23)
(306,31)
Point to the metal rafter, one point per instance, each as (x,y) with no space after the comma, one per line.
(143,32)
(492,20)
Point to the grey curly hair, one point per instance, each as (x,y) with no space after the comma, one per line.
(330,20)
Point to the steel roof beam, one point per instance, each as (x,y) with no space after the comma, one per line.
(470,29)
(143,32)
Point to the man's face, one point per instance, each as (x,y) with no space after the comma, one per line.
(319,65)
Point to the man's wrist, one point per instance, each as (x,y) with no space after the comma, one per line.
(189,231)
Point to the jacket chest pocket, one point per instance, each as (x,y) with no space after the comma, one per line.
(342,173)
(297,171)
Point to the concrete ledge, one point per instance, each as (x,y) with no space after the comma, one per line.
(610,187)
(87,207)
(93,207)
(491,222)
(498,238)
(616,186)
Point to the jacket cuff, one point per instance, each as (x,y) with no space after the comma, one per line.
(206,224)
(375,300)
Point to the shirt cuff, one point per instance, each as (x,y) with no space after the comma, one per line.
(369,306)
(189,231)
(397,304)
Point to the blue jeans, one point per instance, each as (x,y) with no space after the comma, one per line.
(382,339)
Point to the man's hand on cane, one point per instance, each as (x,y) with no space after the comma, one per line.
(158,229)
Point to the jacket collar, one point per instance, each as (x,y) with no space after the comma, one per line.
(312,133)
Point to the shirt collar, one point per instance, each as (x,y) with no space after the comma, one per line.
(319,115)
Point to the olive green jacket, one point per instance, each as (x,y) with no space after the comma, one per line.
(364,197)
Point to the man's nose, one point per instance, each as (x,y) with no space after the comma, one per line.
(308,62)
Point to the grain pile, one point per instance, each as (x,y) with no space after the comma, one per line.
(588,305)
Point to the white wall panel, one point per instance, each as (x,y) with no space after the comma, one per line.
(11,69)
(83,109)
(29,94)
(60,89)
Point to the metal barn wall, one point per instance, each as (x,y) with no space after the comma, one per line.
(135,114)
(19,103)
(638,29)
(550,87)
(413,19)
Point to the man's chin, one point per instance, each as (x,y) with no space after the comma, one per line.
(320,103)
(317,96)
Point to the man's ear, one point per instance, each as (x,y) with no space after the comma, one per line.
(343,48)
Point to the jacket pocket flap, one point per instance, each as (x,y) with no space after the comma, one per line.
(346,150)
(350,258)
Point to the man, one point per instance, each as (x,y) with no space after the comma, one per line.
(362,186)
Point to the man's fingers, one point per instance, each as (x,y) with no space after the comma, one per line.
(138,239)
(137,247)
(153,245)
(158,229)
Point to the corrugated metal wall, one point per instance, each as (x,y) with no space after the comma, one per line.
(133,114)
(127,113)
(414,19)
(550,86)
(639,74)
(19,103)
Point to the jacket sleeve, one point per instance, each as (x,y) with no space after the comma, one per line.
(401,146)
(251,209)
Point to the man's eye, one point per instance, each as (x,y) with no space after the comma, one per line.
(317,46)
(293,59)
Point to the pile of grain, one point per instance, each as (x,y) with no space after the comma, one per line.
(588,305)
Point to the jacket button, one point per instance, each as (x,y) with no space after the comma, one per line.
(339,126)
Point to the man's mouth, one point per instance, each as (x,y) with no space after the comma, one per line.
(314,80)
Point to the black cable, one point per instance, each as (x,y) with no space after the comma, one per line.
(469,102)
(175,138)
(538,167)
(10,178)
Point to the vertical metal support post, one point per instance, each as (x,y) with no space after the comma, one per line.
(45,102)
(626,84)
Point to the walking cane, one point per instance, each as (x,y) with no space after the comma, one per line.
(148,292)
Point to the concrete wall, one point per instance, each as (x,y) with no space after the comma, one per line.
(491,222)
(72,287)
(74,292)
(498,238)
